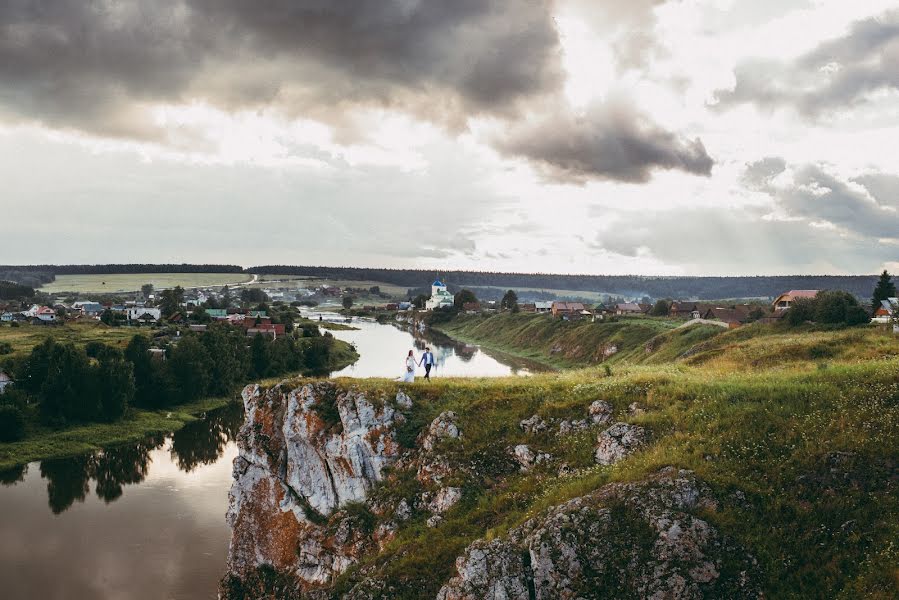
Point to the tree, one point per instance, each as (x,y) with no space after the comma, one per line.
(253,296)
(232,361)
(836,307)
(190,364)
(138,354)
(801,310)
(419,301)
(348,302)
(114,378)
(463,297)
(171,301)
(66,393)
(260,356)
(510,301)
(199,315)
(12,423)
(146,290)
(226,298)
(107,317)
(660,308)
(375,289)
(884,289)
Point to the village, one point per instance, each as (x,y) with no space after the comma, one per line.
(198,307)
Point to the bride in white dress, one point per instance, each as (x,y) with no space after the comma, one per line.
(409,375)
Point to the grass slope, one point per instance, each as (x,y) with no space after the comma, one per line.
(26,336)
(804,461)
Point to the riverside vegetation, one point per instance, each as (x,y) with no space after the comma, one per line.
(693,463)
(84,386)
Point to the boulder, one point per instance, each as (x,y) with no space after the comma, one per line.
(533,424)
(618,441)
(442,428)
(639,540)
(600,411)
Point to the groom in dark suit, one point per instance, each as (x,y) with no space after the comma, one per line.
(427,359)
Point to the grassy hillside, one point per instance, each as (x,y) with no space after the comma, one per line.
(572,343)
(804,462)
(652,341)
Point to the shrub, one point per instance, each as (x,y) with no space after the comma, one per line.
(12,424)
(5,348)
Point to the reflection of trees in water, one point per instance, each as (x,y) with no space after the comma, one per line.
(115,467)
(13,475)
(202,442)
(68,479)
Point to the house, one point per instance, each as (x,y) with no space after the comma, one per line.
(645,308)
(472,307)
(734,317)
(888,308)
(404,305)
(45,314)
(392,306)
(567,309)
(217,313)
(91,309)
(440,297)
(784,301)
(5,381)
(40,313)
(543,307)
(144,315)
(6,317)
(528,307)
(197,328)
(628,308)
(252,314)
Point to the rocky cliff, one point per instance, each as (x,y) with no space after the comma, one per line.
(328,503)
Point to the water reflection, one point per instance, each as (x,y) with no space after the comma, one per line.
(201,442)
(383,348)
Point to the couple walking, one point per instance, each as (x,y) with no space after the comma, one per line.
(427,360)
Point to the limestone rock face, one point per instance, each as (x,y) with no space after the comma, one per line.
(618,441)
(624,540)
(443,427)
(303,454)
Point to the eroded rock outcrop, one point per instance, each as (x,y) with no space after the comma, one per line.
(304,454)
(618,441)
(640,540)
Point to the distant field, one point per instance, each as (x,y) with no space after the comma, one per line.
(128,282)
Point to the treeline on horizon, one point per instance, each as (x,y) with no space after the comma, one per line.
(628,285)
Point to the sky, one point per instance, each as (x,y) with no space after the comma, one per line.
(657,137)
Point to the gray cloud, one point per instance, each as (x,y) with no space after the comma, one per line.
(866,209)
(841,72)
(758,174)
(817,195)
(609,141)
(96,67)
(724,240)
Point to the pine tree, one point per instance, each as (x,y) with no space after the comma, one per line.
(885,289)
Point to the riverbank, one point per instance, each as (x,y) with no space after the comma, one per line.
(553,342)
(46,443)
(43,442)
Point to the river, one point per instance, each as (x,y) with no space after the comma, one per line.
(146,521)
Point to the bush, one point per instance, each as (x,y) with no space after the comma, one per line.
(12,424)
(5,348)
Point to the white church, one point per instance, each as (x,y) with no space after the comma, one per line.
(439,296)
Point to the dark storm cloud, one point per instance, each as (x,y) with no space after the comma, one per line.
(88,65)
(607,142)
(97,66)
(839,73)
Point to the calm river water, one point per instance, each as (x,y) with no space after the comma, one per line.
(147,521)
